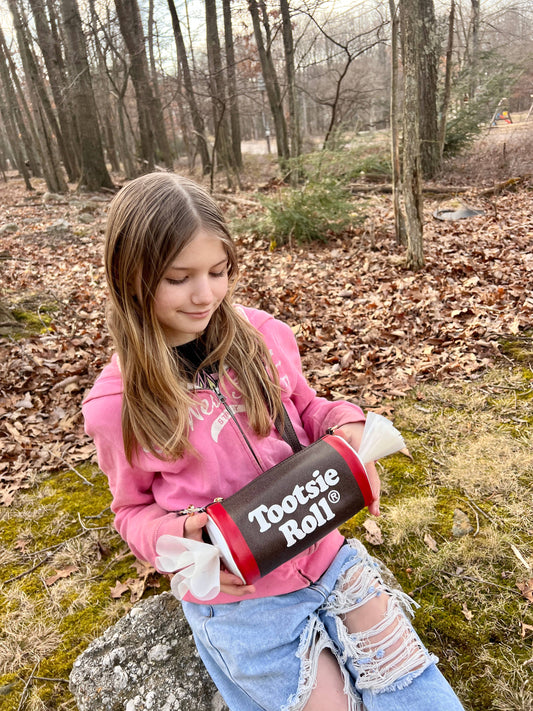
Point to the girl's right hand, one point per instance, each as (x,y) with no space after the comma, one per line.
(229,583)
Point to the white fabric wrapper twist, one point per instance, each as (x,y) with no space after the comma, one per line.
(197,565)
(380,438)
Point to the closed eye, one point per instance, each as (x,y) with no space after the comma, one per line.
(176,281)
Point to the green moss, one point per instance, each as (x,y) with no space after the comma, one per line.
(471,612)
(35,323)
(58,512)
(29,315)
(519,348)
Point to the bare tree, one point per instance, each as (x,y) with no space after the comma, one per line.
(268,69)
(94,173)
(294,113)
(474,46)
(399,222)
(21,112)
(113,62)
(58,84)
(233,98)
(102,87)
(427,87)
(446,93)
(349,49)
(8,106)
(412,183)
(217,89)
(151,126)
(42,111)
(196,116)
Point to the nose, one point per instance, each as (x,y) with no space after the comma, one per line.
(202,292)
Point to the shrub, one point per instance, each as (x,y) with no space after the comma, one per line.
(314,211)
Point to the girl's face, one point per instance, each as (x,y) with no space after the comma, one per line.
(192,288)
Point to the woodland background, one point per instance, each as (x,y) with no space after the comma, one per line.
(335,135)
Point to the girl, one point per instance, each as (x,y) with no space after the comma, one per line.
(183,414)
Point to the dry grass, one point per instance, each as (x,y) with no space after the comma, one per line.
(412,516)
(498,154)
(473,453)
(29,631)
(471,444)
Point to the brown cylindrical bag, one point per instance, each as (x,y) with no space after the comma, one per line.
(289,507)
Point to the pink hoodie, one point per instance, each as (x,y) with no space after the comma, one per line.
(146,495)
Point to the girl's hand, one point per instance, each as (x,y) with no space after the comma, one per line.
(229,583)
(353,433)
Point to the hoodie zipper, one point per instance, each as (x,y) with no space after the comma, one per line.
(214,387)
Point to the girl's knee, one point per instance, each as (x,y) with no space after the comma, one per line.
(377,640)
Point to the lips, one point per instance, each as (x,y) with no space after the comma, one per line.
(197,314)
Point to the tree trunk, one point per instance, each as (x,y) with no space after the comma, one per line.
(294,111)
(53,174)
(271,80)
(474,48)
(59,89)
(235,122)
(8,102)
(132,32)
(196,116)
(50,127)
(447,81)
(149,113)
(412,184)
(427,87)
(22,113)
(160,128)
(399,222)
(217,89)
(94,173)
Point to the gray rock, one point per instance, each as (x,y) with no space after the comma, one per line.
(146,662)
(85,218)
(59,226)
(9,227)
(461,524)
(52,198)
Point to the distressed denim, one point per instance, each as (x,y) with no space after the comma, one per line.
(262,653)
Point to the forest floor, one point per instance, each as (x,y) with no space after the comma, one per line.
(445,352)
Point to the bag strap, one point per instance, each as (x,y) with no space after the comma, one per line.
(286,429)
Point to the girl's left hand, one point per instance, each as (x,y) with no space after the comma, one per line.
(229,583)
(353,433)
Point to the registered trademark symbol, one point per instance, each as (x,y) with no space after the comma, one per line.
(334,496)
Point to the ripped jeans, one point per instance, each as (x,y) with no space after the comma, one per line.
(263,653)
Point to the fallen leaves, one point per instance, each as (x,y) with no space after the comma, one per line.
(431,543)
(60,574)
(526,588)
(367,328)
(373,532)
(147,577)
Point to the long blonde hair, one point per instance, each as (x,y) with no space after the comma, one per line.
(149,222)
